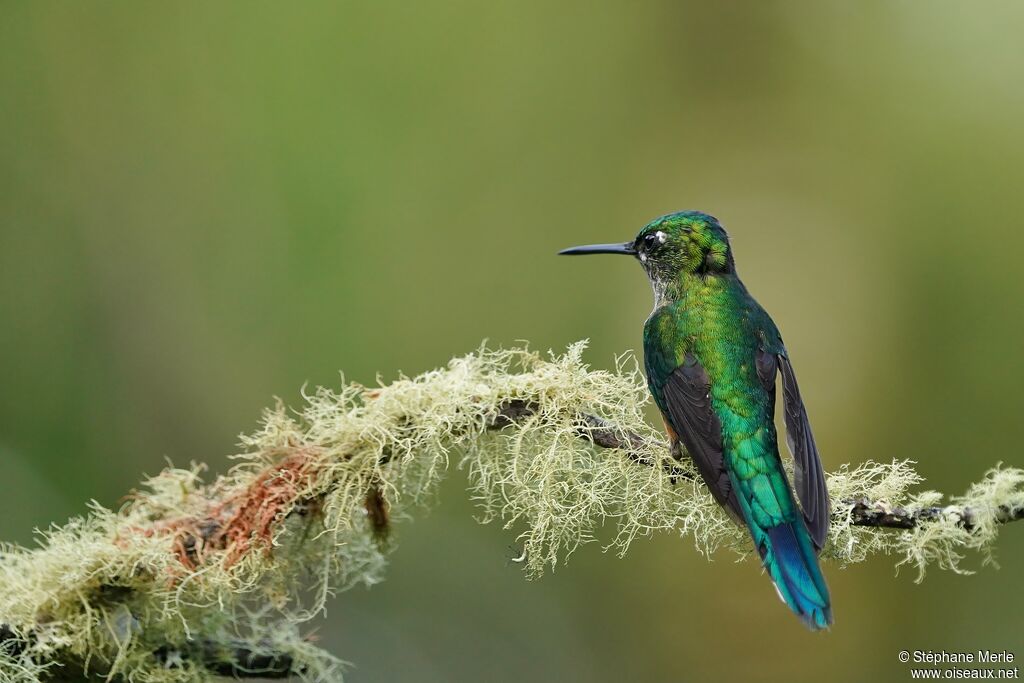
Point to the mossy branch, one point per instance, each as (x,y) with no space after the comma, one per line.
(191,579)
(863,512)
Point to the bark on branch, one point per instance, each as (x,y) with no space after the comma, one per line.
(865,512)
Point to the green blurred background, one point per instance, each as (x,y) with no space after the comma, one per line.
(206,205)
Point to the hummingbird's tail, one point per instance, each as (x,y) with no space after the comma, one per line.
(788,554)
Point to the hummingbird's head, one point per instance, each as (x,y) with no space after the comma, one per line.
(685,242)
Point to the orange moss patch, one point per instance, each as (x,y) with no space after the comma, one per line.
(245,519)
(251,515)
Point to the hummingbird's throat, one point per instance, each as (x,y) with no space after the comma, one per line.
(684,287)
(666,291)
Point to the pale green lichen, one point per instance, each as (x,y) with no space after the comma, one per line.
(883,483)
(945,540)
(139,592)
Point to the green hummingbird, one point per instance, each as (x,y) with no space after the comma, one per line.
(711,355)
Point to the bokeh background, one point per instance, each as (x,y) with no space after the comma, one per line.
(203,206)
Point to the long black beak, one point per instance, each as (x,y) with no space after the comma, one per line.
(626,249)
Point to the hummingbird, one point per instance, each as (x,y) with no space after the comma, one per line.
(712,356)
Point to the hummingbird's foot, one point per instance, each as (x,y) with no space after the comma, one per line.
(676,450)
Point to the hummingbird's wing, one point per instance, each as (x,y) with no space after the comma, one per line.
(686,404)
(810,476)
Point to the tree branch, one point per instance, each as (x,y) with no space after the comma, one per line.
(864,512)
(194,577)
(879,514)
(235,660)
(595,429)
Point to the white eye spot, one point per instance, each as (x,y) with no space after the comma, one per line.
(661,236)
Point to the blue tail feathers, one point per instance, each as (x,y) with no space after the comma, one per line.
(788,555)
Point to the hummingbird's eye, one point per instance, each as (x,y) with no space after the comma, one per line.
(651,241)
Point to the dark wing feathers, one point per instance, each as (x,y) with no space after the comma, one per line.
(686,402)
(687,405)
(810,477)
(767,368)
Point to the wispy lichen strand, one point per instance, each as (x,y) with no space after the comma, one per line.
(189,579)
